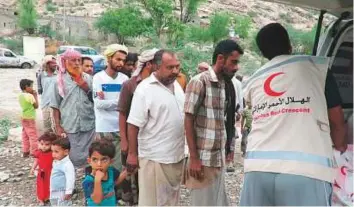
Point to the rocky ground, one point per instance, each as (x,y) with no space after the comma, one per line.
(15,186)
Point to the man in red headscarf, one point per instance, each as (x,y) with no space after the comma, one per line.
(72,106)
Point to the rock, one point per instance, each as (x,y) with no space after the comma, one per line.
(2,168)
(15,134)
(4,176)
(20,173)
(25,168)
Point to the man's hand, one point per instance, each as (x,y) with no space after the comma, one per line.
(67,197)
(132,163)
(100,95)
(60,131)
(196,169)
(99,175)
(82,84)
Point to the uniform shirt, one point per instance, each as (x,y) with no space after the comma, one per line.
(290,128)
(106,110)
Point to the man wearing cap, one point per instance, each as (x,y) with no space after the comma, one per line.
(107,86)
(144,69)
(73,112)
(45,78)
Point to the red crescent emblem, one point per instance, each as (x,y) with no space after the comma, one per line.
(342,170)
(268,90)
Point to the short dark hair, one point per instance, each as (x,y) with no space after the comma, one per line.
(132,57)
(86,58)
(48,136)
(104,147)
(25,83)
(158,56)
(273,40)
(63,143)
(225,48)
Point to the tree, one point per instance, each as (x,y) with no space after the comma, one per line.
(217,29)
(243,25)
(219,26)
(27,17)
(161,13)
(188,8)
(124,22)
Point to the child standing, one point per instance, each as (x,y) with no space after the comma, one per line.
(101,179)
(29,103)
(62,179)
(44,162)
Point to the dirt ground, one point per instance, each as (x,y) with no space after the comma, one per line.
(18,189)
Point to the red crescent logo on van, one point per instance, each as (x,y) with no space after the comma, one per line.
(268,90)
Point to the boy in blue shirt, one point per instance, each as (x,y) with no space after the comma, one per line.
(101,178)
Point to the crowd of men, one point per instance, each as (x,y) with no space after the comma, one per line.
(171,132)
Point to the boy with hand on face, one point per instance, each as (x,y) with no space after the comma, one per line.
(29,103)
(101,178)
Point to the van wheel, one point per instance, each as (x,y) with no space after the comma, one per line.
(26,66)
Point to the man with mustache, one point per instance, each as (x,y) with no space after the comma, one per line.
(72,109)
(155,126)
(209,123)
(45,79)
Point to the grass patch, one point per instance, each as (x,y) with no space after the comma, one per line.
(5,125)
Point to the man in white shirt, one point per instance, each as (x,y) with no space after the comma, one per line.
(155,125)
(107,85)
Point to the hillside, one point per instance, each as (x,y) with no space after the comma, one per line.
(260,11)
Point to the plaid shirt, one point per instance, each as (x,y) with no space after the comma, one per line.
(205,99)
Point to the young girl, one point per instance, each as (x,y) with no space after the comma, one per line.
(44,160)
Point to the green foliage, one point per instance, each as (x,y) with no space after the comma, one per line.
(243,24)
(190,58)
(218,28)
(188,9)
(302,41)
(216,31)
(199,34)
(50,7)
(161,13)
(27,18)
(13,44)
(176,32)
(124,22)
(5,124)
(47,31)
